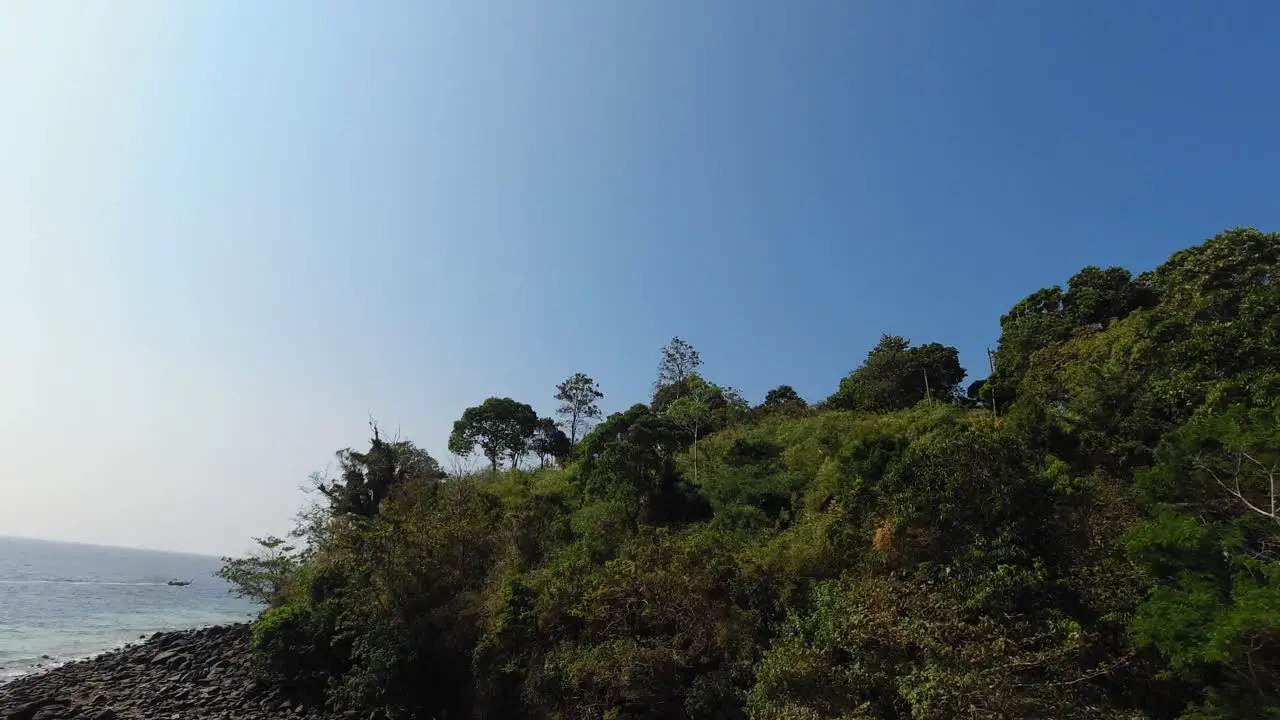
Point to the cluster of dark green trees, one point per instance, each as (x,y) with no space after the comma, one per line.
(1091,532)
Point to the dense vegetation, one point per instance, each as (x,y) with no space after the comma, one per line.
(1091,532)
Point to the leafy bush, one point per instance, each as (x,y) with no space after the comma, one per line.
(263,575)
(284,645)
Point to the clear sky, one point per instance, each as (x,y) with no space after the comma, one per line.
(231,231)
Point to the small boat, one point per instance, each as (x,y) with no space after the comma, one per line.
(179,583)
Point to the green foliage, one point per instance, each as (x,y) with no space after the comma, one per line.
(1104,385)
(666,628)
(501,427)
(287,648)
(783,400)
(700,406)
(366,479)
(549,441)
(896,376)
(263,575)
(1108,546)
(679,361)
(1213,544)
(1093,300)
(883,648)
(388,601)
(279,631)
(579,398)
(693,409)
(630,458)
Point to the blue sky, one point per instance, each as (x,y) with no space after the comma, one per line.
(230,231)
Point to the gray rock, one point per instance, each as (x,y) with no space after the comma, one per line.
(194,674)
(51,712)
(163,657)
(28,711)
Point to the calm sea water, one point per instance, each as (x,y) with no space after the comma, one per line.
(69,601)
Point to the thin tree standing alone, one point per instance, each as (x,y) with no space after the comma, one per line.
(578,396)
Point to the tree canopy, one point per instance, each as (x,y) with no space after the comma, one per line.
(579,398)
(366,479)
(549,441)
(501,427)
(784,400)
(896,376)
(679,361)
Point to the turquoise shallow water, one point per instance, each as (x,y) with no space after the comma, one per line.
(70,601)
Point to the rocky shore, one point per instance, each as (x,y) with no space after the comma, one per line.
(189,675)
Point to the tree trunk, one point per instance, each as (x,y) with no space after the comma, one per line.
(695,454)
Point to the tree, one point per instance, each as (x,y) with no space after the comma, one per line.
(1212,542)
(783,400)
(678,366)
(368,478)
(1106,392)
(939,369)
(693,412)
(1094,299)
(550,442)
(896,376)
(578,396)
(974,393)
(501,427)
(262,575)
(630,458)
(728,407)
(679,361)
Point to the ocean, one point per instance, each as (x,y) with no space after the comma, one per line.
(68,601)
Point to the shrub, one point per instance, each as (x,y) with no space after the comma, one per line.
(286,648)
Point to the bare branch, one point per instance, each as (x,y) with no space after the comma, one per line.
(1234,489)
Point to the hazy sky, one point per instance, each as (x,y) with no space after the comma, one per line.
(230,231)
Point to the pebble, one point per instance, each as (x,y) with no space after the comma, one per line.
(202,673)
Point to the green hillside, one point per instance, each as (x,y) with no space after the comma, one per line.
(1089,533)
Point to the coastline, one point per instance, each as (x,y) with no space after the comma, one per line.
(37,664)
(45,662)
(200,673)
(67,602)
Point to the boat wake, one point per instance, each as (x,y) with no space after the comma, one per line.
(83,582)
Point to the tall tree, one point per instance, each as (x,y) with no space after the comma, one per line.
(679,361)
(501,427)
(578,396)
(694,411)
(549,441)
